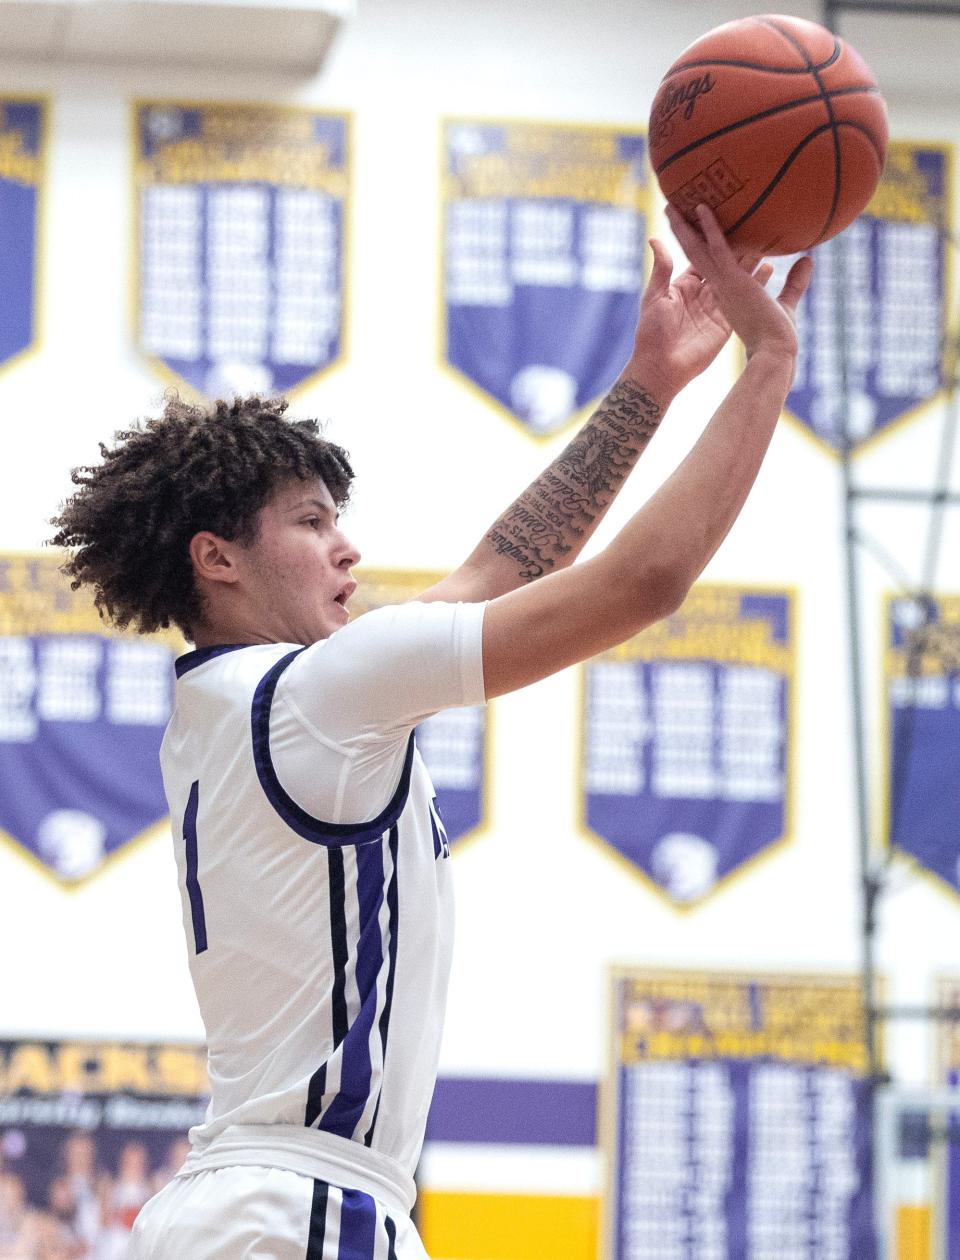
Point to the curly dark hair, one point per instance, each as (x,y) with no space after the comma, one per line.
(129,525)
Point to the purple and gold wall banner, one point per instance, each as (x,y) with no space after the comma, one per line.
(453,743)
(241,242)
(543,252)
(88,1132)
(687,740)
(22,162)
(738,1118)
(891,264)
(922,679)
(82,714)
(946,1055)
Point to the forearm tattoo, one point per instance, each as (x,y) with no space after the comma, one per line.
(560,509)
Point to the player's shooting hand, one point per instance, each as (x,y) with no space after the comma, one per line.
(760,320)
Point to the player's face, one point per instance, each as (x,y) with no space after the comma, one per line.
(300,564)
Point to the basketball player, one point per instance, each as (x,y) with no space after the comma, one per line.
(312,857)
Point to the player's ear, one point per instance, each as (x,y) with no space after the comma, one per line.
(212,558)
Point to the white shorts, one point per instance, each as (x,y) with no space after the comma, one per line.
(249,1212)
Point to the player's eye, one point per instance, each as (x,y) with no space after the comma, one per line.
(312,521)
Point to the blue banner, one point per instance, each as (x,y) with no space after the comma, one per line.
(544,230)
(242,214)
(453,743)
(22,157)
(879,294)
(687,740)
(740,1122)
(82,714)
(922,671)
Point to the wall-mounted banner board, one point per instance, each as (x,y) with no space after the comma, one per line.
(82,713)
(454,744)
(922,676)
(687,733)
(22,161)
(872,322)
(88,1132)
(543,238)
(737,1118)
(241,226)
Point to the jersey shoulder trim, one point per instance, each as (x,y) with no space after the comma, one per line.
(297,818)
(200,656)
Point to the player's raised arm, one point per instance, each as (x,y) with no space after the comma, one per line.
(680,332)
(645,572)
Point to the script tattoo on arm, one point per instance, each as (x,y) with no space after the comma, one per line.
(548,525)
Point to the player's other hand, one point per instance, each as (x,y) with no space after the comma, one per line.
(761,321)
(680,332)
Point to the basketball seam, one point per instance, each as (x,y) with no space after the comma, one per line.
(789,161)
(767,113)
(831,119)
(754,65)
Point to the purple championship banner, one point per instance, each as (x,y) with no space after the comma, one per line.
(82,714)
(543,253)
(687,740)
(922,712)
(88,1132)
(453,743)
(241,230)
(737,1118)
(22,160)
(879,291)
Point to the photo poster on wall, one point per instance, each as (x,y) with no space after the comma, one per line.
(82,713)
(88,1132)
(544,231)
(454,743)
(23,129)
(871,326)
(737,1117)
(687,734)
(922,736)
(241,215)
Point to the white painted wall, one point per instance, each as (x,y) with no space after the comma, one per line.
(542,910)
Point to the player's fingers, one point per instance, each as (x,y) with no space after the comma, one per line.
(748,263)
(691,241)
(659,280)
(712,233)
(796,283)
(763,274)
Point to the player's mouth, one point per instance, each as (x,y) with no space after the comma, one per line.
(344,593)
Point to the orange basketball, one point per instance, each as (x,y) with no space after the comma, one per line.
(777,125)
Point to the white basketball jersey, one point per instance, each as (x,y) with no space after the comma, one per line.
(319,944)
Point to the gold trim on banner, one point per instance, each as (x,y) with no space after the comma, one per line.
(941,394)
(45,101)
(157,365)
(888,657)
(642,202)
(826,986)
(786,666)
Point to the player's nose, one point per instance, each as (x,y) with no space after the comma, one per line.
(348,555)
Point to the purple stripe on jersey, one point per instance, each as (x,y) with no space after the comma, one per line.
(338,998)
(318,1221)
(358,1226)
(190,660)
(391,1229)
(356,1069)
(393,906)
(296,818)
(193,883)
(549,1113)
